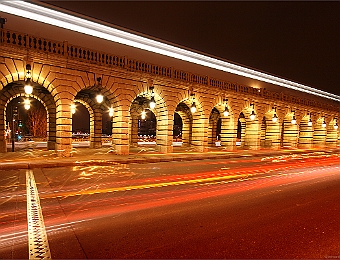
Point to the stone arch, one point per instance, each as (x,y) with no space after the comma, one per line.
(40,93)
(140,103)
(193,123)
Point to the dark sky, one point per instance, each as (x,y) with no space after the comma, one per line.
(299,41)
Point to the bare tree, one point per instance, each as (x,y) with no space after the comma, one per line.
(37,121)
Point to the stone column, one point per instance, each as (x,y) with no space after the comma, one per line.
(164,134)
(228,134)
(120,130)
(64,128)
(199,134)
(3,143)
(96,133)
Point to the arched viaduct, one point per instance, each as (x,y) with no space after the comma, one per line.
(63,74)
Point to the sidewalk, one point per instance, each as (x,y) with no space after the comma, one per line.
(35,158)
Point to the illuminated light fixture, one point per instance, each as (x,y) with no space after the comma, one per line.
(73,108)
(111,110)
(274,118)
(324,123)
(310,123)
(27,104)
(143,114)
(336,124)
(226,110)
(99,98)
(193,108)
(152,103)
(293,119)
(252,115)
(28,87)
(70,22)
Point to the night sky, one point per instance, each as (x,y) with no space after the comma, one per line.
(299,41)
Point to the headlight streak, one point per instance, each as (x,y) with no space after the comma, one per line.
(56,18)
(185,180)
(96,207)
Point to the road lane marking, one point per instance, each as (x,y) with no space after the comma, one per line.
(37,238)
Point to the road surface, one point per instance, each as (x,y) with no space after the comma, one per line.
(274,207)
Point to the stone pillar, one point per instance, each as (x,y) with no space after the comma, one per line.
(199,134)
(3,143)
(305,136)
(51,132)
(96,133)
(120,130)
(64,128)
(252,136)
(228,134)
(134,130)
(165,134)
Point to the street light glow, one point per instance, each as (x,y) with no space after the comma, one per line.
(70,22)
(99,98)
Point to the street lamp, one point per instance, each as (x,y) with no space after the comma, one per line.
(336,124)
(293,119)
(324,123)
(193,108)
(152,103)
(99,96)
(28,87)
(310,123)
(274,118)
(226,110)
(252,115)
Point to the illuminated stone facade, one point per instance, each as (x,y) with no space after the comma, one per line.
(63,74)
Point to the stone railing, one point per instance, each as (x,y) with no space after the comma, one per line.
(23,40)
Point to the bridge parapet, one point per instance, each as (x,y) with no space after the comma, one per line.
(22,40)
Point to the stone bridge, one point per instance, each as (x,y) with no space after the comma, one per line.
(240,116)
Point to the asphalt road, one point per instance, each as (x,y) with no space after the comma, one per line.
(283,207)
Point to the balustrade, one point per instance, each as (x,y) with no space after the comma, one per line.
(21,40)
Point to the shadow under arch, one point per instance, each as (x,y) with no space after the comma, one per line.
(40,93)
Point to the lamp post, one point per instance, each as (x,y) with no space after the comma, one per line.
(152,103)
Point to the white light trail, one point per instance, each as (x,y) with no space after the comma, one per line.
(70,22)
